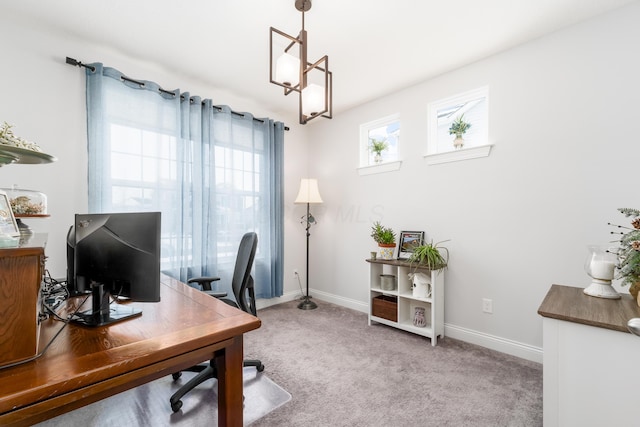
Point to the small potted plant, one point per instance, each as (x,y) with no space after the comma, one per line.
(427,255)
(458,128)
(378,146)
(385,237)
(628,253)
(430,255)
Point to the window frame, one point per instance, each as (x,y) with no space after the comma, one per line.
(366,128)
(479,146)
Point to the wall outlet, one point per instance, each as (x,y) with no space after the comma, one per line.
(487,305)
(295,273)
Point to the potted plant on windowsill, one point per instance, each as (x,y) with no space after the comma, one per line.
(378,146)
(385,237)
(458,128)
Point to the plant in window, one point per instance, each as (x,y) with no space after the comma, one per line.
(378,146)
(458,128)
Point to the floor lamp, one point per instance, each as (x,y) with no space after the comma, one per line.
(308,194)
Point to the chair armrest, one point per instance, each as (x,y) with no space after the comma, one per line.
(204,282)
(216,294)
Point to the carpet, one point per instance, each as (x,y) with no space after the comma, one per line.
(342,372)
(148,404)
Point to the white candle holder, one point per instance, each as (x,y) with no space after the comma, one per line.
(600,266)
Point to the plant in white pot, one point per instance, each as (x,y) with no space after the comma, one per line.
(378,146)
(385,237)
(431,256)
(458,128)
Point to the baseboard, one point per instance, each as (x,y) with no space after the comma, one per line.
(493,342)
(341,301)
(289,296)
(318,295)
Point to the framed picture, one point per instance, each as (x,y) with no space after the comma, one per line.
(408,241)
(8,225)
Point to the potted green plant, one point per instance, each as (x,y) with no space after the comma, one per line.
(628,253)
(458,128)
(427,255)
(378,146)
(430,255)
(385,237)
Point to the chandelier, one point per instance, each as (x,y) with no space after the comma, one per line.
(293,71)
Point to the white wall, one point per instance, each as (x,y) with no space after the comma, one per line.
(44,99)
(563,112)
(562,116)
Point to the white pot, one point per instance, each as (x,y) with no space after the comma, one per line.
(386,252)
(458,142)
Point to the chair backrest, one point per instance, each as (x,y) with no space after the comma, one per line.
(242,282)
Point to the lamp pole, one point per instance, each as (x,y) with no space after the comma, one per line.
(307,304)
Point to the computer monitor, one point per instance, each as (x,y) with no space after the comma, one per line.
(114,254)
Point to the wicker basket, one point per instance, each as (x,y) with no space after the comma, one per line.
(386,307)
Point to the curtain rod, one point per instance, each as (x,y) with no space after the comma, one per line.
(77,63)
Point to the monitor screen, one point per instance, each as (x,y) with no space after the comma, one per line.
(114,255)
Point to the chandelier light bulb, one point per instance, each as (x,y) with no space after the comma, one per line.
(288,70)
(312,100)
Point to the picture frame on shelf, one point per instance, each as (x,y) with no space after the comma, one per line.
(8,224)
(408,241)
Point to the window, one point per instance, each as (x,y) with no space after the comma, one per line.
(380,136)
(214,174)
(468,111)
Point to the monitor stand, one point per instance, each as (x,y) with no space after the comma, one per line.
(102,311)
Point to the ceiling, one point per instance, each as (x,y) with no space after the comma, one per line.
(375,47)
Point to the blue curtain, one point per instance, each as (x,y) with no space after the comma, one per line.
(213,173)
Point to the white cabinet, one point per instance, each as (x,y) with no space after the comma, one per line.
(396,306)
(589,373)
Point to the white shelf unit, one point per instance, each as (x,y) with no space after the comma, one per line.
(406,302)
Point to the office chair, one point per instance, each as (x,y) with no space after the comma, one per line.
(242,287)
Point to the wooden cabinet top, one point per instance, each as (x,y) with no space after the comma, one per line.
(26,244)
(573,305)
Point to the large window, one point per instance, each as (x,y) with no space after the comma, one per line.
(213,174)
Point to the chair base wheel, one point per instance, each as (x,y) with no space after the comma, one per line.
(260,367)
(175,406)
(176,375)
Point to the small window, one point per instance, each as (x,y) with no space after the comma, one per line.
(379,141)
(460,125)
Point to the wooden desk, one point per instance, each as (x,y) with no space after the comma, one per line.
(84,365)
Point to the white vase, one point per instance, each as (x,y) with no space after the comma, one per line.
(458,142)
(378,158)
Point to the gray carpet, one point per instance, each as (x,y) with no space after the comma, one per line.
(342,372)
(148,405)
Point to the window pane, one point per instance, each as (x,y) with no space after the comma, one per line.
(380,140)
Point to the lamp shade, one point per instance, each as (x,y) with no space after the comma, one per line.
(288,70)
(308,191)
(312,100)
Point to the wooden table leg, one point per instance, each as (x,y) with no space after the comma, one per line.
(229,365)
